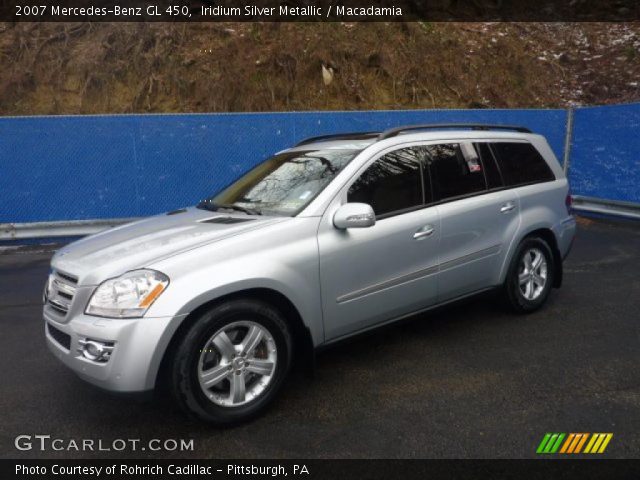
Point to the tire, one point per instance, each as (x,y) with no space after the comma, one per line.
(527,287)
(238,343)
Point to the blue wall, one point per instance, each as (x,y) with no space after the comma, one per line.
(82,167)
(605,157)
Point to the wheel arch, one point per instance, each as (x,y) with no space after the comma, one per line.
(546,233)
(303,346)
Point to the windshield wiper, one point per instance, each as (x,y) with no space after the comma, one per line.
(208,204)
(233,206)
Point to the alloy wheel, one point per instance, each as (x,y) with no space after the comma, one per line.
(237,363)
(532,274)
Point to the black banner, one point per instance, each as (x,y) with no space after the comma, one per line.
(582,469)
(318,10)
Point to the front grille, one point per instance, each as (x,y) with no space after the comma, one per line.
(59,336)
(69,278)
(62,289)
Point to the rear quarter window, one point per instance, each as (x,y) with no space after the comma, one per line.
(521,164)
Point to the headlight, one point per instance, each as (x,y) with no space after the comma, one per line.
(128,296)
(47,288)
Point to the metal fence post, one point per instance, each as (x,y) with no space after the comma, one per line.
(568,141)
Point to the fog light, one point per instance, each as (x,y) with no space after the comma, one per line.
(95,350)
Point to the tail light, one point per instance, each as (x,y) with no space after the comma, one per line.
(568,201)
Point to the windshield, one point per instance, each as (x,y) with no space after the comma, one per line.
(283,184)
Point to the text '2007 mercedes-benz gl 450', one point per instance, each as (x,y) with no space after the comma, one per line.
(327,239)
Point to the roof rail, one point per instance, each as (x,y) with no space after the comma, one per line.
(392,132)
(339,136)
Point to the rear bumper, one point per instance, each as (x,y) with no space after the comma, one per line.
(565,232)
(138,346)
(565,254)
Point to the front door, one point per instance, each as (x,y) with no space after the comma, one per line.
(369,275)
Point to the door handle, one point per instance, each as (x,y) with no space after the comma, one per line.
(507,207)
(423,232)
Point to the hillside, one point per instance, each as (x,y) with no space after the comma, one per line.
(113,68)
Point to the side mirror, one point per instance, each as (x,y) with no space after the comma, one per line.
(354,215)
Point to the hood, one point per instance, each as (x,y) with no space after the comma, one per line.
(136,245)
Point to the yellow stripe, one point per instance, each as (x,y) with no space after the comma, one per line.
(606,442)
(591,442)
(594,449)
(574,443)
(567,442)
(582,440)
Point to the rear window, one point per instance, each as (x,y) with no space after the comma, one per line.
(521,164)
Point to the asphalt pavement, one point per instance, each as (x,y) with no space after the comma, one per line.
(468,381)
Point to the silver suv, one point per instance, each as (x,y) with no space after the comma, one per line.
(332,237)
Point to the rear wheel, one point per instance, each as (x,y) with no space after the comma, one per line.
(232,362)
(530,275)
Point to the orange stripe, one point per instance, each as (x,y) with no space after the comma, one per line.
(152,296)
(574,443)
(567,442)
(584,439)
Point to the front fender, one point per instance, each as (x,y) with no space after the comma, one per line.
(298,285)
(305,297)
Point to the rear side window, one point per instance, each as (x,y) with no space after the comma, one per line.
(521,164)
(455,170)
(392,183)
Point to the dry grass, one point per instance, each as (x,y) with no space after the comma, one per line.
(105,68)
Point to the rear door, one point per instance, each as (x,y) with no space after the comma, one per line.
(478,216)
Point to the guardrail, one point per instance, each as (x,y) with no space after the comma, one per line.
(606,207)
(75,228)
(71,228)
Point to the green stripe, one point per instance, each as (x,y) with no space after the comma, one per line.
(543,443)
(550,443)
(558,442)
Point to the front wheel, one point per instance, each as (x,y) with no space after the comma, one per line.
(530,276)
(231,363)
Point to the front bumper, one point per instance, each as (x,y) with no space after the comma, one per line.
(138,346)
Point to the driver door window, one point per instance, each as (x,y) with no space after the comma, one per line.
(392,184)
